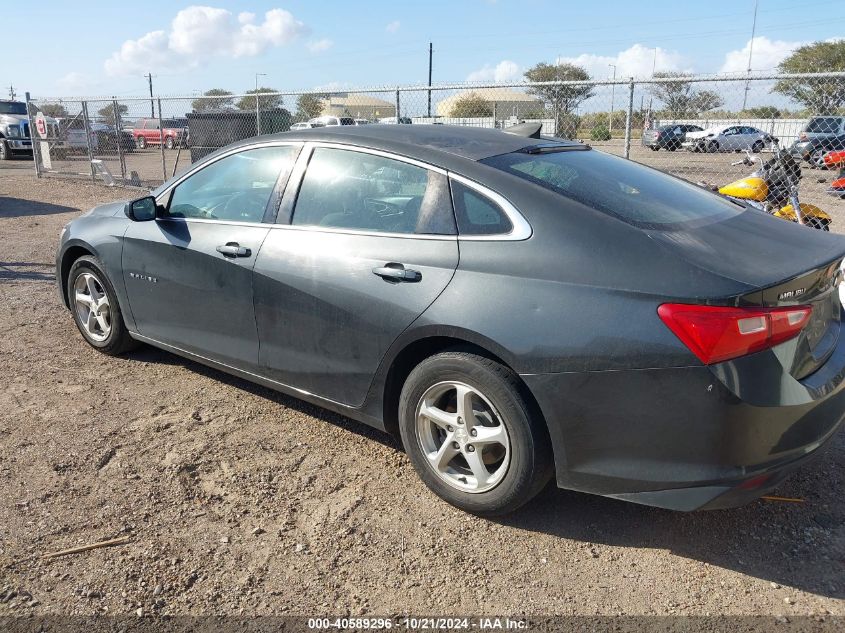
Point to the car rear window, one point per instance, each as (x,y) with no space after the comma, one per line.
(824,125)
(639,195)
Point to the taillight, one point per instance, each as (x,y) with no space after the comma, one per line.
(715,333)
(802,136)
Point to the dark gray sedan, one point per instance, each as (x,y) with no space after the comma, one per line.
(514,308)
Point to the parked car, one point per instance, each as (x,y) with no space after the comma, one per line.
(303,125)
(727,138)
(668,136)
(151,131)
(14,130)
(821,135)
(513,308)
(392,120)
(328,120)
(362,121)
(103,137)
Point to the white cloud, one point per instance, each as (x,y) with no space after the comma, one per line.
(766,55)
(74,82)
(505,70)
(198,33)
(392,27)
(318,46)
(636,61)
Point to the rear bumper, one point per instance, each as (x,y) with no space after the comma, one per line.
(689,438)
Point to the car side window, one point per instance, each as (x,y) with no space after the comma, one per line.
(346,189)
(234,188)
(477,214)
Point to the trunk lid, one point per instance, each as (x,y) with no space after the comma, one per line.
(789,264)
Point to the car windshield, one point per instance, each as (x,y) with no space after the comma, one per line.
(639,195)
(12,107)
(823,125)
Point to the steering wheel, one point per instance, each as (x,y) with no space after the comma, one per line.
(244,204)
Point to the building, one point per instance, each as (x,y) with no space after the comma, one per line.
(504,102)
(358,105)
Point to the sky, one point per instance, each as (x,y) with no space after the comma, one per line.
(106,48)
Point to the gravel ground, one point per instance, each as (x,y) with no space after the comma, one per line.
(240,500)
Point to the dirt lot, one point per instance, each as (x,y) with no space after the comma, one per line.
(241,500)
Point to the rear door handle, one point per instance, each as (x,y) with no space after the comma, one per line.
(397,272)
(233,249)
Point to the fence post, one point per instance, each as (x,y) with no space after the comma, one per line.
(629,118)
(86,124)
(118,126)
(161,139)
(397,106)
(32,133)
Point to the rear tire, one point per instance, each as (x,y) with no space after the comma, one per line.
(757,147)
(816,223)
(141,142)
(816,159)
(168,143)
(5,152)
(713,147)
(453,451)
(654,148)
(95,310)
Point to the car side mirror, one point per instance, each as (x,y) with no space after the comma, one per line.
(142,209)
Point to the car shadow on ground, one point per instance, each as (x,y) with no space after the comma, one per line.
(17,207)
(26,271)
(798,545)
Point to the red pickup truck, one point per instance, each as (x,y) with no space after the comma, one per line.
(151,131)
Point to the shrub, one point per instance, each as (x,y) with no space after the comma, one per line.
(600,133)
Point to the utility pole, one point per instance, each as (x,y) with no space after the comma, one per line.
(13,94)
(612,91)
(257,111)
(750,51)
(149,77)
(430,54)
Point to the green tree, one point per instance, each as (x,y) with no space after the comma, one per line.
(215,99)
(763,112)
(471,105)
(309,105)
(265,102)
(56,110)
(820,96)
(107,113)
(561,99)
(680,98)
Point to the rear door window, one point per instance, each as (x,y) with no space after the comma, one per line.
(347,189)
(824,125)
(636,194)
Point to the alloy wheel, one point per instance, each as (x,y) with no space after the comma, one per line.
(817,158)
(463,437)
(92,306)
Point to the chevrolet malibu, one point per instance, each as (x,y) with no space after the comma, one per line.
(515,308)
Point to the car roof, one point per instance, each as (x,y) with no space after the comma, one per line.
(422,141)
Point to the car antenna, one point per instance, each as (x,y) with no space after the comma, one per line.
(528,130)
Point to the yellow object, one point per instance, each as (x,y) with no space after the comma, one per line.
(807,211)
(751,188)
(788,499)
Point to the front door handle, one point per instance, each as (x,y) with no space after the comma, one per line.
(397,272)
(233,249)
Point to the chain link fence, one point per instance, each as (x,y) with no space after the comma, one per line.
(697,128)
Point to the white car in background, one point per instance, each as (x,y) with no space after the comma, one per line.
(302,125)
(727,138)
(328,120)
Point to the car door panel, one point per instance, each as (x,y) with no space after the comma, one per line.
(325,319)
(184,292)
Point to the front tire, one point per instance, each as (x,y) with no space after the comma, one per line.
(141,142)
(816,159)
(757,147)
(168,143)
(5,152)
(712,147)
(471,435)
(95,310)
